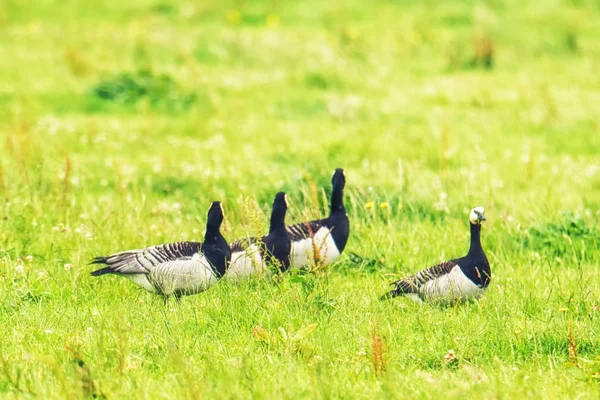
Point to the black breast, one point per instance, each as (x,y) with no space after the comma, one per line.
(278,247)
(477,268)
(340,229)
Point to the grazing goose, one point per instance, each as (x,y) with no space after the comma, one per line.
(181,268)
(250,256)
(328,235)
(458,279)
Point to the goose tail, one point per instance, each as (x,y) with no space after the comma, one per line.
(390,295)
(99,260)
(101,271)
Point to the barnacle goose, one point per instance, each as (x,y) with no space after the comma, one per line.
(181,268)
(322,241)
(251,256)
(458,279)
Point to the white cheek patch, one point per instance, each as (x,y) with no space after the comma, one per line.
(246,263)
(473,218)
(303,251)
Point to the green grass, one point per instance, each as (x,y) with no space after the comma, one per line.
(121,121)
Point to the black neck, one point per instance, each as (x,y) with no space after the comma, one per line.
(213,228)
(277,220)
(475,239)
(216,250)
(337,199)
(212,237)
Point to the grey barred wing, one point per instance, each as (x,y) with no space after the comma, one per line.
(303,230)
(242,244)
(143,261)
(412,283)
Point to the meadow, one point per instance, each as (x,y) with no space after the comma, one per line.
(120,121)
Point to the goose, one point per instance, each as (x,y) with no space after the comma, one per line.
(180,268)
(455,280)
(329,235)
(251,256)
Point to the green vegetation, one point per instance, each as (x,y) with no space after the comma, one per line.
(120,121)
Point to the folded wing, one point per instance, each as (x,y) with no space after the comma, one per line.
(145,260)
(412,284)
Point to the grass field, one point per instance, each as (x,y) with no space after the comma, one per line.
(121,121)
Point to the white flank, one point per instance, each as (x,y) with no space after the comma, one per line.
(414,297)
(245,264)
(189,276)
(142,280)
(303,250)
(451,287)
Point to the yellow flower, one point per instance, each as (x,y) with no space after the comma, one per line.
(385,204)
(563,309)
(234,16)
(272,20)
(369,205)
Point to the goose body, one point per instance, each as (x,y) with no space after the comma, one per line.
(180,268)
(246,259)
(454,280)
(322,241)
(253,256)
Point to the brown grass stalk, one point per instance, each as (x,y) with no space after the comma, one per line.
(377,350)
(572,344)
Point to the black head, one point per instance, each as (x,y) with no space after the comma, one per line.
(215,248)
(215,217)
(278,213)
(277,242)
(339,179)
(280,202)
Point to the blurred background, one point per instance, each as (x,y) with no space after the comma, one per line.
(430,106)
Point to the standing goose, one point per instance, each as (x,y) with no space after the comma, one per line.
(250,256)
(329,235)
(181,268)
(458,279)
